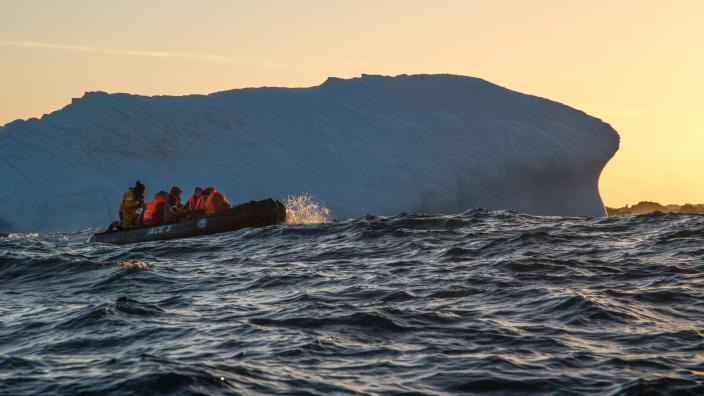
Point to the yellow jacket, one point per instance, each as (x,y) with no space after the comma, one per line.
(129,202)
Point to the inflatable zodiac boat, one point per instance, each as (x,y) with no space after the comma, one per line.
(251,214)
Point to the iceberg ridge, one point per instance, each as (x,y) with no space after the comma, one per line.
(374,144)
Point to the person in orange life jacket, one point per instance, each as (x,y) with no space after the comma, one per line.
(196,203)
(157,211)
(215,202)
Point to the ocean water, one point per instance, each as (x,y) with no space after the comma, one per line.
(484,301)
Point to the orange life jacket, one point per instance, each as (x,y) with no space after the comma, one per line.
(196,204)
(216,203)
(155,212)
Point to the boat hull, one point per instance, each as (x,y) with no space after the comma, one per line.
(251,214)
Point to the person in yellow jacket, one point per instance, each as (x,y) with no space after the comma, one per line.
(131,202)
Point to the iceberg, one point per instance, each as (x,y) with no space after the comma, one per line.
(373,144)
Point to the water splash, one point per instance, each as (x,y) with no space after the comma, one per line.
(303,209)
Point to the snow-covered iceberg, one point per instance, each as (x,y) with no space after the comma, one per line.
(381,145)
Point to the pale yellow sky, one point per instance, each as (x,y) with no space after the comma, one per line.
(638,65)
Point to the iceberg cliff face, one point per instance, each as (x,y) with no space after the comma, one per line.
(381,145)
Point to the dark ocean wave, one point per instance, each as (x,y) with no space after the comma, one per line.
(481,302)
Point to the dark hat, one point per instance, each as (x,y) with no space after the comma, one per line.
(175,190)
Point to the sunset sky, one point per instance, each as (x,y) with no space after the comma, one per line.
(638,65)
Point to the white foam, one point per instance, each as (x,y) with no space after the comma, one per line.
(304,209)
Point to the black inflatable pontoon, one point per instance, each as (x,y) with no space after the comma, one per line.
(251,214)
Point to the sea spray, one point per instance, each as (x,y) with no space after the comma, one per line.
(303,209)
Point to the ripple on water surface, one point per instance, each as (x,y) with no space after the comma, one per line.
(479,302)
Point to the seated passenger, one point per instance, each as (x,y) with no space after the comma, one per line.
(157,211)
(132,201)
(196,203)
(174,201)
(215,202)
